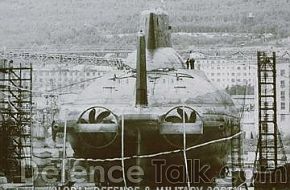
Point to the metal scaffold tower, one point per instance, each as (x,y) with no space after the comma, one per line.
(16,118)
(268,130)
(237,162)
(270,163)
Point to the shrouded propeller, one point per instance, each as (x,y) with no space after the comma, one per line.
(100,120)
(94,117)
(179,118)
(173,126)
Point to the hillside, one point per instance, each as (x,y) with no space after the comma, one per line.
(88,22)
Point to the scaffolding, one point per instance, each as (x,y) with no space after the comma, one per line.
(16,119)
(270,164)
(268,131)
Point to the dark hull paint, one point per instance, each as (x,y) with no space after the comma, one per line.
(214,156)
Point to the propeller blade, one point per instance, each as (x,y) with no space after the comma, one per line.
(102,116)
(180,112)
(54,135)
(173,119)
(92,116)
(192,117)
(81,120)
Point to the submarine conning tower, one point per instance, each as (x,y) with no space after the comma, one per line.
(159,52)
(157,29)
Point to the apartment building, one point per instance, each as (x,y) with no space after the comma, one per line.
(64,77)
(240,69)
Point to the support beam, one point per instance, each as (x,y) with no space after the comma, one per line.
(141,73)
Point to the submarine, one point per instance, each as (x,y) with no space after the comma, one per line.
(151,116)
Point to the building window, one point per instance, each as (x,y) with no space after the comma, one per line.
(283,117)
(283,106)
(282,72)
(283,95)
(282,84)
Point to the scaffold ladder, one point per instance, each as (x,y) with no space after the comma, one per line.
(238,174)
(268,131)
(16,110)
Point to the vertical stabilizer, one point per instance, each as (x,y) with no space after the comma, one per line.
(141,76)
(157,30)
(150,31)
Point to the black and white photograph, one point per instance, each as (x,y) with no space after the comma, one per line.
(144,95)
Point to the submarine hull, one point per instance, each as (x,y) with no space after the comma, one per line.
(161,166)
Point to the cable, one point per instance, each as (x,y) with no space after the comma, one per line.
(72,84)
(184,149)
(64,151)
(160,153)
(19,88)
(125,158)
(122,152)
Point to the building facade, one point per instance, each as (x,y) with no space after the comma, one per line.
(66,78)
(283,92)
(239,69)
(228,71)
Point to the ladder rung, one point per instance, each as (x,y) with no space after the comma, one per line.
(267,96)
(13,101)
(266,70)
(268,147)
(269,108)
(267,83)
